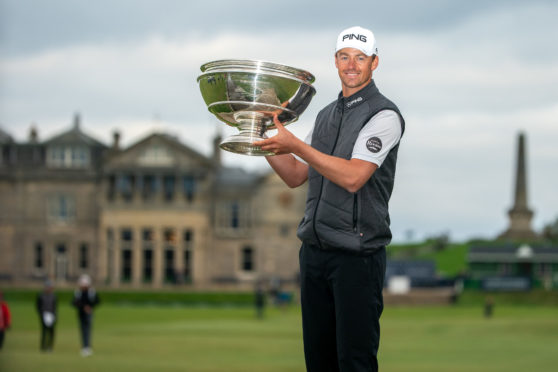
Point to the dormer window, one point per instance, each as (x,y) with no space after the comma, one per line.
(68,156)
(61,208)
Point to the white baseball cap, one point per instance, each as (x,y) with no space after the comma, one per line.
(358,38)
(84,280)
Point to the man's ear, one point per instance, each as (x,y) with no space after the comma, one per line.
(375,63)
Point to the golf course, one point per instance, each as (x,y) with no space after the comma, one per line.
(155,337)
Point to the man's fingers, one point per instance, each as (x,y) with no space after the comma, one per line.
(277,123)
(279,126)
(261,143)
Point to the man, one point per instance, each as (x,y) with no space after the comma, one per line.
(85,299)
(47,304)
(349,161)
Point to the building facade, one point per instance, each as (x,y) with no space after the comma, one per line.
(514,266)
(156,214)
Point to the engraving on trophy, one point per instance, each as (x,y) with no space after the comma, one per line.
(251,95)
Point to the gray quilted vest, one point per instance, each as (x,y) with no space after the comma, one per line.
(335,218)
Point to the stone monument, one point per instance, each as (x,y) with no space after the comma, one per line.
(520,215)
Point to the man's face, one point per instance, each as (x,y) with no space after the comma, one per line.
(355,69)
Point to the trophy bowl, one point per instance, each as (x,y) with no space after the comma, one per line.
(251,95)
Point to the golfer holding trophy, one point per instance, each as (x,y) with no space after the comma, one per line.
(349,160)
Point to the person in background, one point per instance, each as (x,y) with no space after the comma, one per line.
(5,318)
(46,307)
(259,300)
(85,299)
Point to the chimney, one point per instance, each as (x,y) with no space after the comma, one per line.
(116,140)
(217,150)
(33,134)
(77,120)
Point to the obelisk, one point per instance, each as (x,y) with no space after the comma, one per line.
(520,215)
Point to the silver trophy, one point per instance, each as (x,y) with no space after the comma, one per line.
(250,95)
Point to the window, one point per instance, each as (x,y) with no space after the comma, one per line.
(125,186)
(126,235)
(68,156)
(126,276)
(39,258)
(235,215)
(188,239)
(147,265)
(156,155)
(149,186)
(188,247)
(168,186)
(60,262)
(247,259)
(188,265)
(169,266)
(147,235)
(61,208)
(189,187)
(169,236)
(83,255)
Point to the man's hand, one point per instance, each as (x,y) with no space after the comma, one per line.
(293,172)
(284,142)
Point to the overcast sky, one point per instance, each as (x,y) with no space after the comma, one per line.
(467,75)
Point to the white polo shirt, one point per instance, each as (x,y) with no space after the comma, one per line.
(376,138)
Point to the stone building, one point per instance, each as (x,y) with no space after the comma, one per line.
(153,215)
(514,266)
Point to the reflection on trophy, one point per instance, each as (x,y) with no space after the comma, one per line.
(251,95)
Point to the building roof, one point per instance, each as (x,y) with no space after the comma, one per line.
(75,136)
(515,253)
(5,137)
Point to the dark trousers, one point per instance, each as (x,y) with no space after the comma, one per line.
(47,337)
(341,295)
(85,321)
(1,338)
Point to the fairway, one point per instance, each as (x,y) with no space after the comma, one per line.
(166,338)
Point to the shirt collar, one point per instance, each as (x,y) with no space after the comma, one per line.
(359,97)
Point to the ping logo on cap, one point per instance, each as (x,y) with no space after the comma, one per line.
(353,37)
(358,38)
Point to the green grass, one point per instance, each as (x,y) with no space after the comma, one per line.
(173,338)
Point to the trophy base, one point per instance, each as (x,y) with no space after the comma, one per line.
(252,129)
(241,144)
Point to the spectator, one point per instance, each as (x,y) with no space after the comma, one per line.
(85,299)
(259,300)
(46,307)
(5,319)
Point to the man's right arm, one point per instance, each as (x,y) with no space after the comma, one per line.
(293,172)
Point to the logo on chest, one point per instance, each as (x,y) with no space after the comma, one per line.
(356,100)
(374,144)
